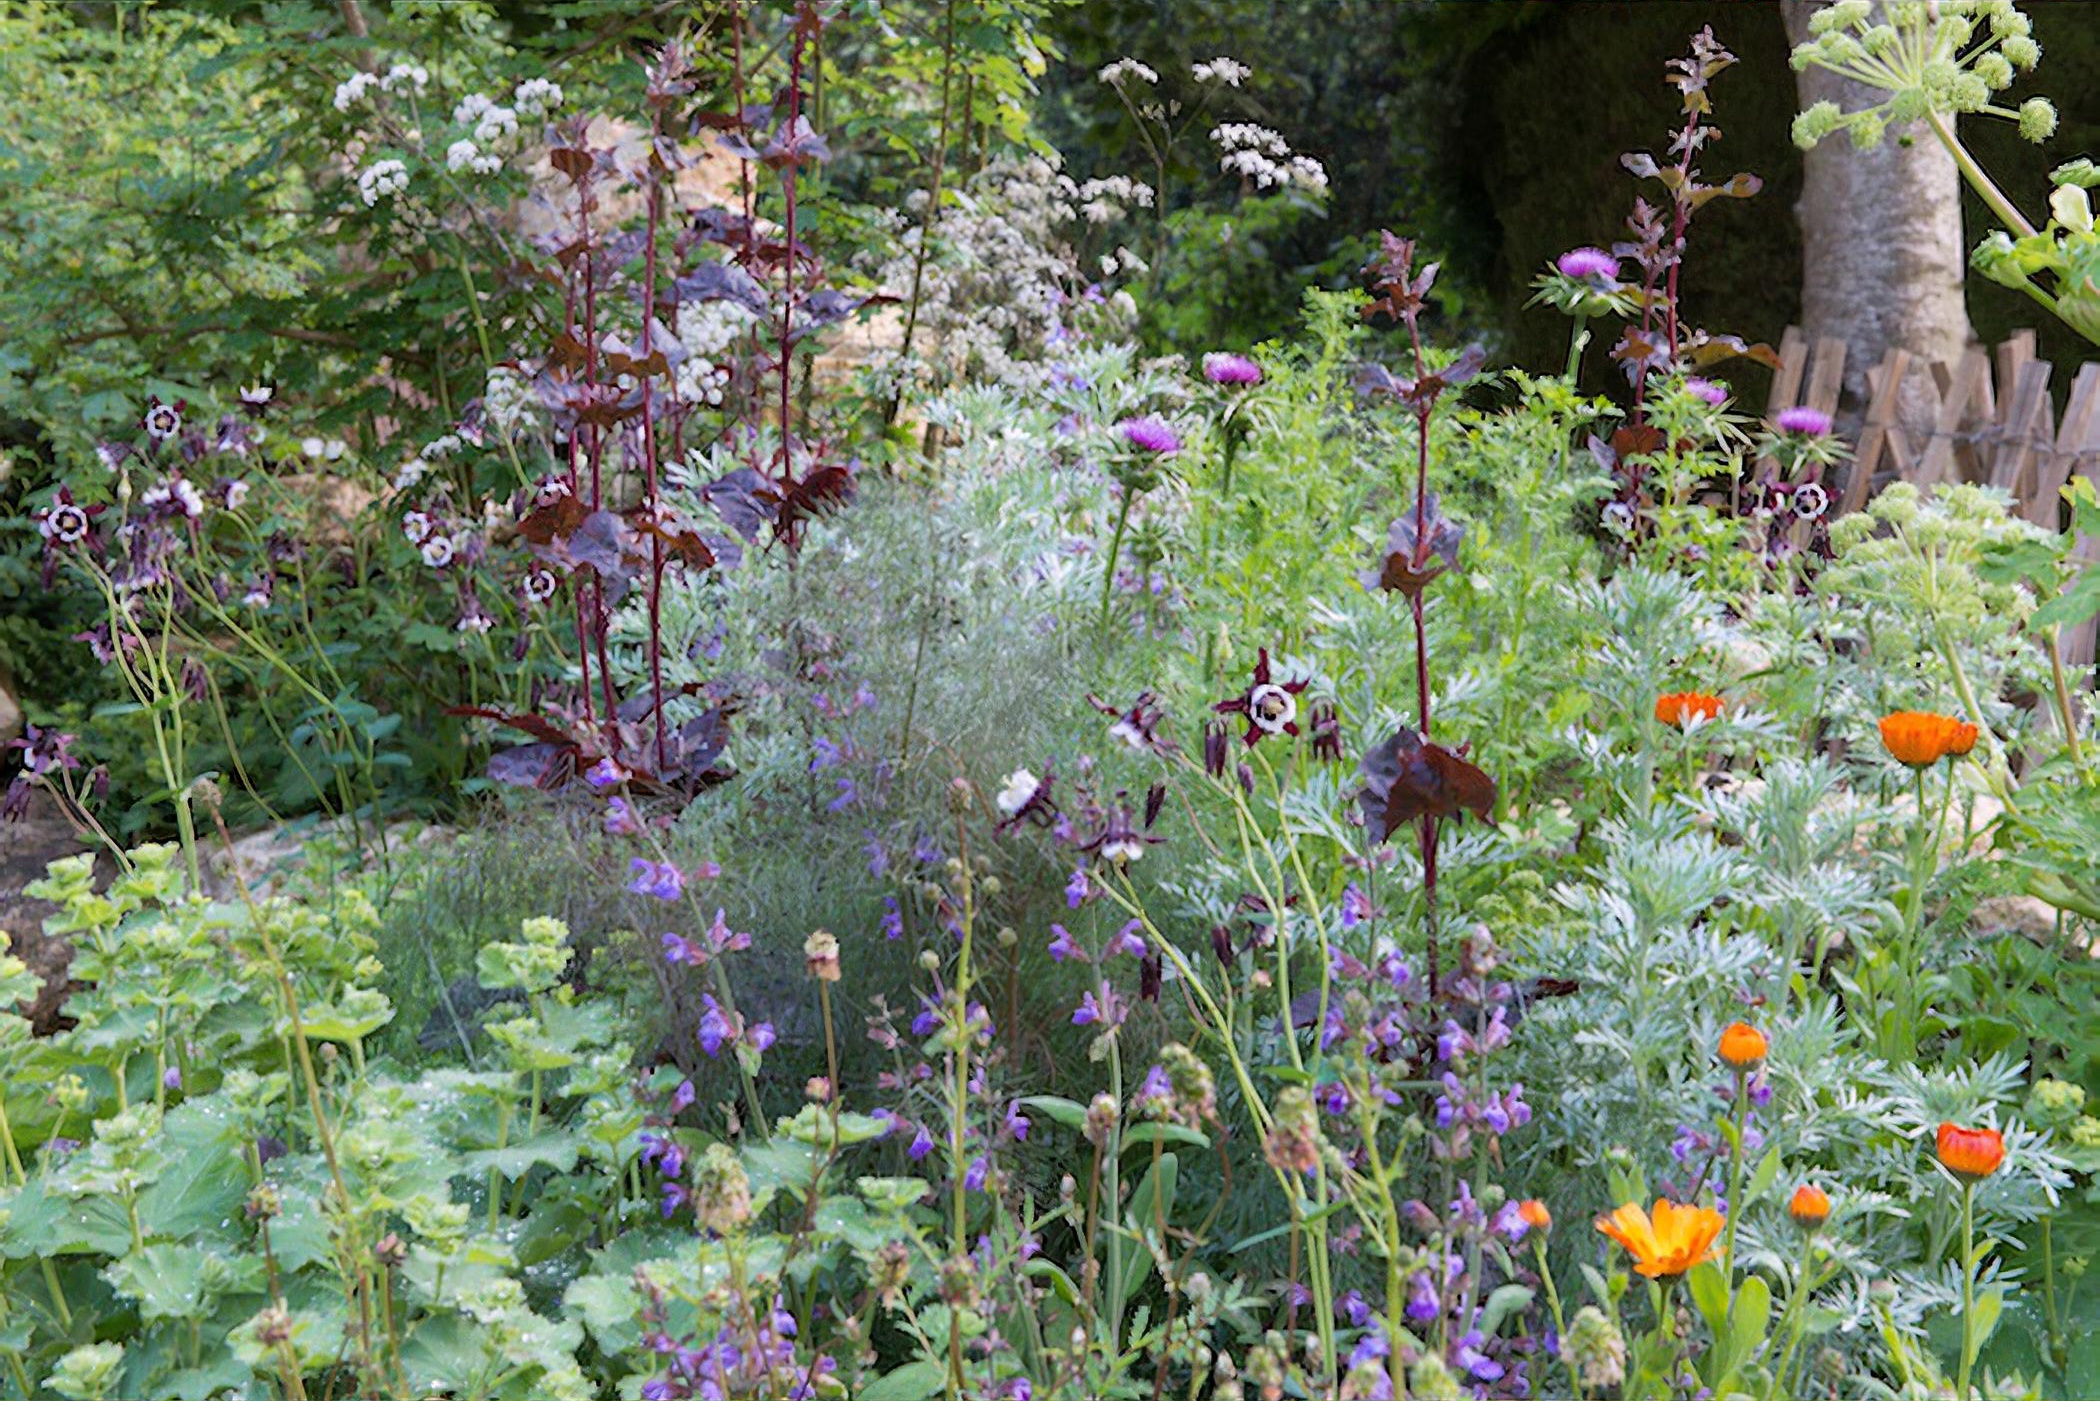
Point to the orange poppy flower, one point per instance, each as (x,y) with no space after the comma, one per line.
(1680,707)
(1535,1215)
(1810,1206)
(1921,739)
(1743,1046)
(1667,1244)
(1971,1153)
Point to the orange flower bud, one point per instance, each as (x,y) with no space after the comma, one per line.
(1971,1153)
(1680,707)
(1743,1046)
(1535,1215)
(1810,1206)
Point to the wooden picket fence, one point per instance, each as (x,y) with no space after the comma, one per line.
(1992,418)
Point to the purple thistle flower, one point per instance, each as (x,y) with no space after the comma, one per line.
(1588,265)
(1802,420)
(1223,367)
(1707,390)
(1151,434)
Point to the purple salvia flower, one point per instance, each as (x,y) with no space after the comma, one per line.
(1062,947)
(658,878)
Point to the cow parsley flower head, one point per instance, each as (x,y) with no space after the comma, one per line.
(414,75)
(465,155)
(1224,70)
(382,180)
(535,97)
(1125,68)
(352,90)
(496,124)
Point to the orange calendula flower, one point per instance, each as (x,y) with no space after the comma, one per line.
(1809,1206)
(1921,739)
(1743,1046)
(1971,1153)
(1670,1242)
(1680,708)
(1535,1215)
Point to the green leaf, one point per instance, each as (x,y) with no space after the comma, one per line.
(1163,1133)
(1709,1290)
(1990,1305)
(1762,1179)
(1072,1115)
(1753,1315)
(1151,1205)
(1505,1302)
(914,1381)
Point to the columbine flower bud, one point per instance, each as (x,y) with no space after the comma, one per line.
(820,952)
(721,1190)
(1101,1119)
(1595,1348)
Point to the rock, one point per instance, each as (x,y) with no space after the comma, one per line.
(26,848)
(10,709)
(261,860)
(2015,914)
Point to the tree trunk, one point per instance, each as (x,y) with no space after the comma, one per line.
(1882,252)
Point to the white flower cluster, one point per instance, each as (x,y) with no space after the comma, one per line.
(508,399)
(177,492)
(491,122)
(382,180)
(700,381)
(706,329)
(465,155)
(1258,154)
(1106,200)
(1124,68)
(536,97)
(352,90)
(1224,70)
(325,449)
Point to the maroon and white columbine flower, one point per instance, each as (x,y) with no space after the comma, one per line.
(1233,371)
(164,421)
(171,498)
(1137,727)
(1025,798)
(1269,707)
(550,490)
(1810,501)
(418,526)
(1119,841)
(438,551)
(65,522)
(538,586)
(255,400)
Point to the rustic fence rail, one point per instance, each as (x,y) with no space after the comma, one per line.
(1993,421)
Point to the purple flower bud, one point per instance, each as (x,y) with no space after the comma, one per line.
(1707,390)
(1588,265)
(1804,421)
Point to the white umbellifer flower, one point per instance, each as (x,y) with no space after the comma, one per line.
(1021,785)
(507,399)
(412,471)
(413,74)
(1308,174)
(535,97)
(470,108)
(352,89)
(438,551)
(1249,136)
(1224,70)
(496,124)
(699,381)
(465,155)
(444,445)
(1124,68)
(706,329)
(382,180)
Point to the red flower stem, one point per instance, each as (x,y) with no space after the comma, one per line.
(788,175)
(655,193)
(1428,828)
